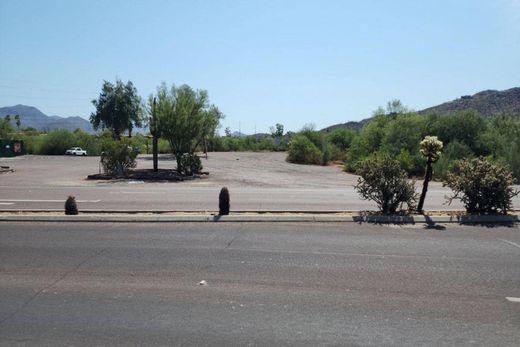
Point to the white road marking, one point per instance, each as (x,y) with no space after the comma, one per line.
(29,200)
(511,243)
(513,299)
(6,203)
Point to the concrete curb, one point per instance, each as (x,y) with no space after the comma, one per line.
(262,217)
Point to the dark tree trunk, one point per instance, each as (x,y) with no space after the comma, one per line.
(155,150)
(427,178)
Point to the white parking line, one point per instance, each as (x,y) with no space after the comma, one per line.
(513,299)
(30,200)
(510,242)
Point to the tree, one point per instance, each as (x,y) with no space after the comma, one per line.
(393,107)
(277,130)
(155,130)
(18,121)
(5,128)
(227,131)
(118,108)
(431,148)
(186,119)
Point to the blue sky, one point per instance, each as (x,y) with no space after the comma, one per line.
(262,62)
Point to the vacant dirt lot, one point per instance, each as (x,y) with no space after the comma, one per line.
(229,168)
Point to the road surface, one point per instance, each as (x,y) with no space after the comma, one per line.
(268,284)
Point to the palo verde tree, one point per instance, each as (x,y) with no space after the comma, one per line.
(186,119)
(118,108)
(431,148)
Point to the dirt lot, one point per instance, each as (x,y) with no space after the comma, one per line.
(258,181)
(234,169)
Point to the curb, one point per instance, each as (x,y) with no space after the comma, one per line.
(263,217)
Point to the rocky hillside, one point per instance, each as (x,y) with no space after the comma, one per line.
(487,103)
(32,117)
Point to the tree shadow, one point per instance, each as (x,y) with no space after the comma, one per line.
(161,157)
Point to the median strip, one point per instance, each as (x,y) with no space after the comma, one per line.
(251,216)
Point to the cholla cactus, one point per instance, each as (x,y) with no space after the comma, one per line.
(431,148)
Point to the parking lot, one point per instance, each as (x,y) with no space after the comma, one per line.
(257,182)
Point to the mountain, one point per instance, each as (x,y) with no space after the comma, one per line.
(32,117)
(488,103)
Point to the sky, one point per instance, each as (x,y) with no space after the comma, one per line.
(262,62)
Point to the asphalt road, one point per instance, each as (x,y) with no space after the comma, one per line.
(267,285)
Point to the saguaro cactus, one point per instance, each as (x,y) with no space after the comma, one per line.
(223,202)
(431,148)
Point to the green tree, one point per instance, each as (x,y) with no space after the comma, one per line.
(118,108)
(18,121)
(227,131)
(5,128)
(186,118)
(277,130)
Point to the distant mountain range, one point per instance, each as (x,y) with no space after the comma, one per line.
(32,117)
(488,103)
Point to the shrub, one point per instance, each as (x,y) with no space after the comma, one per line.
(118,156)
(384,182)
(57,142)
(454,151)
(303,151)
(341,138)
(189,165)
(483,187)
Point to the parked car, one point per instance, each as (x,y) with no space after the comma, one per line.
(76,151)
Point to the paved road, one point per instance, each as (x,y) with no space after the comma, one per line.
(268,285)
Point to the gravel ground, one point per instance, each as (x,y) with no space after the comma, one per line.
(234,169)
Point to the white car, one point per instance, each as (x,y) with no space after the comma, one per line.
(76,151)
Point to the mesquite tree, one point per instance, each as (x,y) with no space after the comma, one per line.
(431,148)
(118,108)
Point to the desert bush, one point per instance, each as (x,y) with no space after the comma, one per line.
(32,142)
(303,151)
(385,182)
(189,165)
(341,138)
(483,187)
(57,142)
(454,151)
(118,156)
